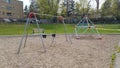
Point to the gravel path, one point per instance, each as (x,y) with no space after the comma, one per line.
(83,53)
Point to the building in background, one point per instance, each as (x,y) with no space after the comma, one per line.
(11,9)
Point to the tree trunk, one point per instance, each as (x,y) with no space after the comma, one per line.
(97,1)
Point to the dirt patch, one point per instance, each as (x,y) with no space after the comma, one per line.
(61,54)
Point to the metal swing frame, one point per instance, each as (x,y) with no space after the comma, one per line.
(25,34)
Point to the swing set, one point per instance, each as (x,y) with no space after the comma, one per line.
(32,16)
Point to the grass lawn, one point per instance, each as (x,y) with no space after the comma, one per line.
(109,28)
(18,29)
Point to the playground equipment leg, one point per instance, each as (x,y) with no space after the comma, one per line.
(67,37)
(23,36)
(40,36)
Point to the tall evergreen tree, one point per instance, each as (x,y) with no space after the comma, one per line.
(26,10)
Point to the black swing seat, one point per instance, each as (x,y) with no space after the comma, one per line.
(53,35)
(44,36)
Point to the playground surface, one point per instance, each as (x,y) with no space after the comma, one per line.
(82,53)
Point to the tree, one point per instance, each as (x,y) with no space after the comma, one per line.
(97,2)
(116,8)
(83,6)
(63,10)
(48,6)
(26,10)
(88,6)
(78,8)
(33,6)
(106,8)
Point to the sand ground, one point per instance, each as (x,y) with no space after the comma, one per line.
(82,53)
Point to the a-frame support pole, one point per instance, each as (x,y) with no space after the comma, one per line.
(66,35)
(25,29)
(23,36)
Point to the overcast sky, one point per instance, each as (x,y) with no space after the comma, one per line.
(27,2)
